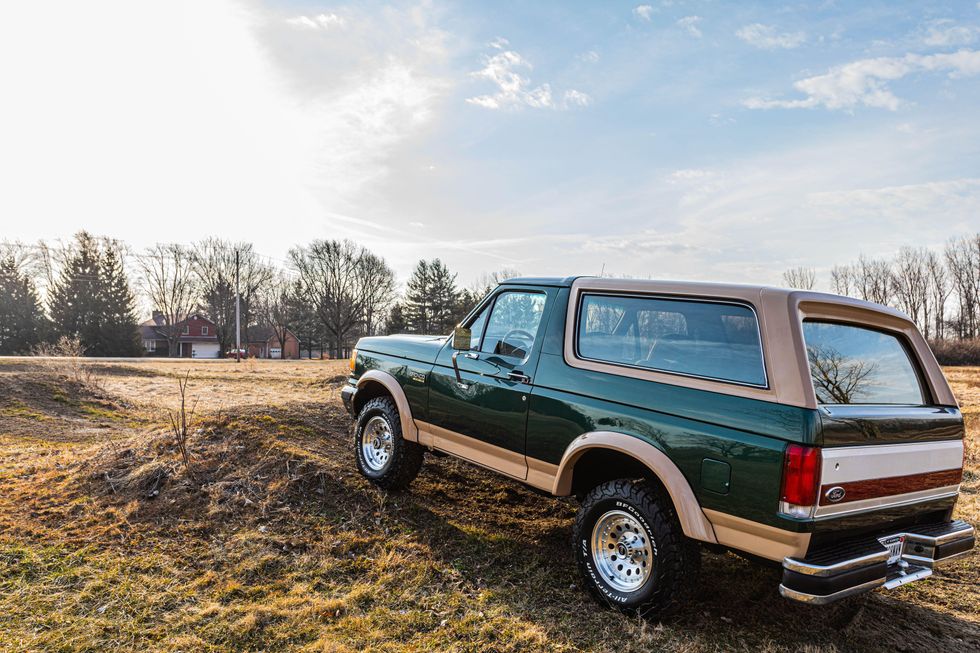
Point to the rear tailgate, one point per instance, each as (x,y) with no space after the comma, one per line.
(860,479)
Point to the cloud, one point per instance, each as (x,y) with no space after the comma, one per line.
(690,23)
(590,56)
(765,37)
(946,32)
(514,89)
(318,22)
(864,82)
(643,12)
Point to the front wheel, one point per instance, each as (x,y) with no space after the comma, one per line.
(631,551)
(383,455)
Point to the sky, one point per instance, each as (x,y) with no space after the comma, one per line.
(679,139)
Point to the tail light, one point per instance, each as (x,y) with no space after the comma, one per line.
(801,481)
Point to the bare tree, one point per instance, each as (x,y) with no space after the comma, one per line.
(490,280)
(280,307)
(836,380)
(167,277)
(378,291)
(330,278)
(939,291)
(963,263)
(215,261)
(874,280)
(801,278)
(842,280)
(910,283)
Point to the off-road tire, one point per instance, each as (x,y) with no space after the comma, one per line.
(406,457)
(676,559)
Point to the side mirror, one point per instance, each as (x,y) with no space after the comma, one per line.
(461,338)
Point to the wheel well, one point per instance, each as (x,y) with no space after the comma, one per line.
(599,465)
(367,392)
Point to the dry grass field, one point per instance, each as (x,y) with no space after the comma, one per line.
(275,543)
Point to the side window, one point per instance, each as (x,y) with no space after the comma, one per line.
(714,340)
(477,325)
(513,323)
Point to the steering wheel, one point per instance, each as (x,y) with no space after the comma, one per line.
(520,334)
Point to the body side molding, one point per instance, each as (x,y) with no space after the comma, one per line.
(409,431)
(693,520)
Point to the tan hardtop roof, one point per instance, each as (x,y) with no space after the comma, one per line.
(749,292)
(780,312)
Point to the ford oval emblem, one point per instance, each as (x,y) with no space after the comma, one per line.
(834,494)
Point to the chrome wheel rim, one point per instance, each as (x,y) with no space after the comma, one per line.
(376,443)
(621,551)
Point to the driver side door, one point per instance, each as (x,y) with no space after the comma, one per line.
(484,418)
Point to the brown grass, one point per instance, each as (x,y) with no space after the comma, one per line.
(105,544)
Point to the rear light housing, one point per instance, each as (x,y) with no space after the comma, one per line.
(800,489)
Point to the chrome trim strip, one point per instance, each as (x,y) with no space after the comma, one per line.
(801,567)
(816,599)
(892,501)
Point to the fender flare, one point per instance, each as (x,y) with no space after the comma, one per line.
(693,520)
(409,431)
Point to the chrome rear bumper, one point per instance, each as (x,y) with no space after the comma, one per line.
(855,566)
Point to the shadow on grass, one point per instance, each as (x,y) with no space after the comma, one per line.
(282,477)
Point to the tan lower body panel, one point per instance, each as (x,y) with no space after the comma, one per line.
(758,539)
(505,461)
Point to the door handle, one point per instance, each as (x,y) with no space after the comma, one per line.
(472,355)
(519,376)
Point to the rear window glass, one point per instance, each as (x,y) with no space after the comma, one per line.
(706,339)
(855,365)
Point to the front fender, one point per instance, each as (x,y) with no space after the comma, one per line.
(409,431)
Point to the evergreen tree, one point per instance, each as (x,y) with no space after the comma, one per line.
(22,322)
(120,331)
(74,299)
(91,300)
(432,300)
(418,297)
(396,322)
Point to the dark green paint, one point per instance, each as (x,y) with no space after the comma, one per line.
(857,424)
(730,449)
(716,476)
(491,407)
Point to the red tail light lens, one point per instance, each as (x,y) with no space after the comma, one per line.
(801,475)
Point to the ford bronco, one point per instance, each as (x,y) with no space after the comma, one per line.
(806,429)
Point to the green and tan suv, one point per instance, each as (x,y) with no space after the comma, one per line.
(803,428)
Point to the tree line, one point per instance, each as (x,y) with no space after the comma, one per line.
(939,290)
(328,293)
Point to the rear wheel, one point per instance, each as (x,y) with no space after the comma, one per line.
(383,455)
(631,551)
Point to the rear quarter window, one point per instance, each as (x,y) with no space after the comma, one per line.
(850,364)
(713,340)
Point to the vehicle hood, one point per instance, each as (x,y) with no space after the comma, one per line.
(415,347)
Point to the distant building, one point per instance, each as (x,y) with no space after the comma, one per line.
(263,342)
(198,337)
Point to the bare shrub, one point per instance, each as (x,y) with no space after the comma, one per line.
(179,423)
(64,358)
(956,352)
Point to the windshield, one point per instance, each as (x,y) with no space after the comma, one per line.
(854,365)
